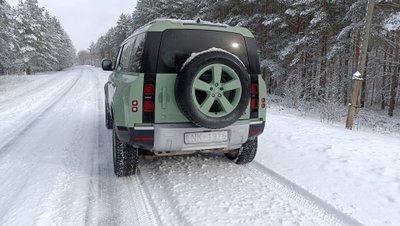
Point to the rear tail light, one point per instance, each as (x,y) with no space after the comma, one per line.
(148,103)
(254,104)
(254,88)
(148,89)
(148,106)
(254,97)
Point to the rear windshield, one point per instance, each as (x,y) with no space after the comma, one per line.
(178,45)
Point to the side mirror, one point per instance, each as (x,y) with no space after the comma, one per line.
(107,65)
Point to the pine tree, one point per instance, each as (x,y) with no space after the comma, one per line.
(8,46)
(30,28)
(308,49)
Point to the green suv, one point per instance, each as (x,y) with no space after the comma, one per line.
(180,87)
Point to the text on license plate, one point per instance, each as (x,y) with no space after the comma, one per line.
(206,137)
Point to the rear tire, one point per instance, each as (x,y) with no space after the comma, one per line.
(245,154)
(213,89)
(125,157)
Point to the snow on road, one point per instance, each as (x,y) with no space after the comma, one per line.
(355,171)
(56,168)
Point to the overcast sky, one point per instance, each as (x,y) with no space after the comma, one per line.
(86,20)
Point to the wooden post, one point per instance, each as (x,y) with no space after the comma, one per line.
(353,105)
(358,77)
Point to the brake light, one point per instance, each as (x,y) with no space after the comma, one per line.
(148,106)
(148,89)
(254,88)
(254,104)
(144,139)
(149,99)
(254,97)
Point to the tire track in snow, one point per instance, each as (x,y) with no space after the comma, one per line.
(109,205)
(21,184)
(119,201)
(94,188)
(30,90)
(172,203)
(80,158)
(132,189)
(143,204)
(5,147)
(300,196)
(17,133)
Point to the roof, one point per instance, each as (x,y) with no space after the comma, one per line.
(160,25)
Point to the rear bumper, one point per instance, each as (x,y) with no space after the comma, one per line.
(170,137)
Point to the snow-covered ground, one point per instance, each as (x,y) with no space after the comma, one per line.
(56,168)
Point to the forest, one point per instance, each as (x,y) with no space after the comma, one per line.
(308,49)
(31,40)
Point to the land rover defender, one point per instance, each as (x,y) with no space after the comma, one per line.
(179,87)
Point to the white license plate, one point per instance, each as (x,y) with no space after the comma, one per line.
(206,137)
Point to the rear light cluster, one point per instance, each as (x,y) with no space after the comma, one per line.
(148,100)
(254,97)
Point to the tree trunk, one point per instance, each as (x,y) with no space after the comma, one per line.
(364,84)
(324,50)
(372,93)
(383,83)
(357,50)
(395,77)
(266,7)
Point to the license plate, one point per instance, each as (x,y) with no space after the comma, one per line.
(206,137)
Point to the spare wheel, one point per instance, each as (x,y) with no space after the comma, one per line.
(213,89)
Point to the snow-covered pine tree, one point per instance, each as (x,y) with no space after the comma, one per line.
(121,31)
(308,49)
(92,52)
(8,45)
(32,40)
(31,29)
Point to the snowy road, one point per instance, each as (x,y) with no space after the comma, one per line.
(56,169)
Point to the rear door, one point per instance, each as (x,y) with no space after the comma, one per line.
(176,47)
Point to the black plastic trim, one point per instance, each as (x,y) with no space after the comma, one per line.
(150,53)
(256,130)
(147,136)
(149,66)
(254,62)
(129,135)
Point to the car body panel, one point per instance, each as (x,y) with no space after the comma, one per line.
(262,90)
(130,88)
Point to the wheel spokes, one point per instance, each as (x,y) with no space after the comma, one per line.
(206,105)
(232,85)
(210,94)
(225,104)
(217,73)
(201,85)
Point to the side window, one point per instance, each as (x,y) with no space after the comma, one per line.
(123,64)
(118,58)
(137,53)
